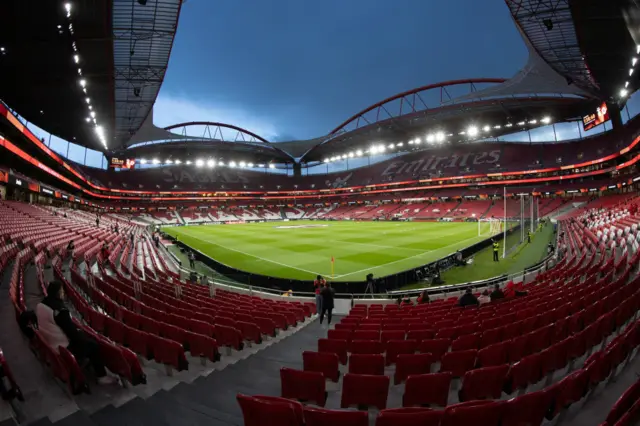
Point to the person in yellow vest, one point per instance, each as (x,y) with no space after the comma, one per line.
(496,247)
(287,293)
(529,237)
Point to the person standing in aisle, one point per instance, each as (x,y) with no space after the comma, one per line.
(319,284)
(327,294)
(496,248)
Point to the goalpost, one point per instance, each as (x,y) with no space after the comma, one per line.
(490,227)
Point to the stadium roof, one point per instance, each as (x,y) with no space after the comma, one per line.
(589,43)
(69,67)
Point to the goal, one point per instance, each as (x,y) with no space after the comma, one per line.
(490,227)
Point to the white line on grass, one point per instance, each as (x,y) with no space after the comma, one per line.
(402,260)
(256,257)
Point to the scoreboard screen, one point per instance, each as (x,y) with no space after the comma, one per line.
(122,163)
(601,115)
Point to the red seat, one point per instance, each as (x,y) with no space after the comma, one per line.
(458,363)
(490,337)
(492,355)
(338,347)
(408,364)
(388,335)
(420,334)
(250,331)
(270,412)
(554,357)
(540,338)
(369,327)
(436,347)
(372,364)
(518,348)
(396,347)
(598,367)
(339,335)
(364,390)
(468,341)
(346,326)
(323,417)
(202,346)
(266,325)
(303,385)
(366,347)
(477,413)
(411,416)
(227,336)
(114,330)
(569,390)
(322,362)
(624,403)
(528,409)
(167,352)
(366,335)
(138,342)
(427,389)
(75,378)
(483,383)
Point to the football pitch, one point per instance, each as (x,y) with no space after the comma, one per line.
(303,249)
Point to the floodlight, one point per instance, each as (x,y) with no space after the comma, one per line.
(381,148)
(243,164)
(220,163)
(188,162)
(391,146)
(522,123)
(344,156)
(88,100)
(634,60)
(400,145)
(630,72)
(199,162)
(418,141)
(76,58)
(351,155)
(143,161)
(623,93)
(93,114)
(626,84)
(431,138)
(508,125)
(250,165)
(88,119)
(472,131)
(497,126)
(168,162)
(211,163)
(638,48)
(232,164)
(374,150)
(178,162)
(83,82)
(260,165)
(326,160)
(156,161)
(546,120)
(411,142)
(533,122)
(272,166)
(440,137)
(359,153)
(486,128)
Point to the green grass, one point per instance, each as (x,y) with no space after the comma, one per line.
(359,248)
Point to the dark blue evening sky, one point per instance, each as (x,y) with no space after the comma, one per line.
(294,69)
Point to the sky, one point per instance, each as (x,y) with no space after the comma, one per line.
(292,69)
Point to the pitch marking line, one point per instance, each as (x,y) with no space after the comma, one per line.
(402,260)
(256,257)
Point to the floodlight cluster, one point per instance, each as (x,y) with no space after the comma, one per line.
(624,92)
(436,138)
(91,114)
(206,162)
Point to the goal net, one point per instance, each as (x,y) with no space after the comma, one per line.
(490,227)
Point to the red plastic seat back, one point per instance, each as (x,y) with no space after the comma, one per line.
(396,347)
(364,390)
(407,364)
(366,347)
(303,385)
(322,362)
(436,347)
(477,413)
(528,409)
(458,363)
(409,417)
(483,383)
(323,417)
(258,412)
(372,364)
(427,389)
(338,347)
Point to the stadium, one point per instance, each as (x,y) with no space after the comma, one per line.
(472,242)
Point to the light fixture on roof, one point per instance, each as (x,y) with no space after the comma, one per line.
(472,131)
(260,165)
(178,162)
(486,128)
(522,123)
(374,150)
(508,125)
(326,160)
(88,100)
(440,137)
(88,119)
(359,153)
(90,108)
(156,161)
(2,49)
(67,7)
(623,93)
(83,82)
(243,164)
(400,145)
(232,164)
(634,60)
(220,163)
(417,141)
(431,138)
(143,161)
(638,48)
(211,163)
(497,126)
(188,162)
(351,155)
(79,71)
(250,165)
(630,72)
(199,162)
(626,84)
(410,142)
(169,161)
(344,156)
(272,166)
(391,146)
(381,148)
(546,120)
(93,114)
(76,58)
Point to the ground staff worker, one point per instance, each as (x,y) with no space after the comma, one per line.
(529,236)
(496,247)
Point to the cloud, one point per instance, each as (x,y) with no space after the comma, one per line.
(171,109)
